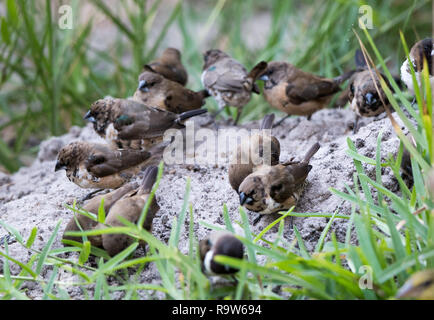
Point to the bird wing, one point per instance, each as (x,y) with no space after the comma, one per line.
(147,124)
(306,90)
(180,99)
(226,75)
(104,162)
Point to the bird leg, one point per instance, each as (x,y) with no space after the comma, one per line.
(356,124)
(89,195)
(281,121)
(239,110)
(257,219)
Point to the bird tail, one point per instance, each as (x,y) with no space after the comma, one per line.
(311,152)
(257,71)
(203,93)
(149,178)
(189,114)
(343,77)
(267,122)
(359,59)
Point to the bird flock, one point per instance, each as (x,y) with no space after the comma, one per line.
(133,130)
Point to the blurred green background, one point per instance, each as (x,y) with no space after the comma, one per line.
(49,76)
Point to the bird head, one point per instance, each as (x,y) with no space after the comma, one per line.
(70,155)
(212,56)
(275,72)
(148,81)
(252,193)
(219,243)
(100,114)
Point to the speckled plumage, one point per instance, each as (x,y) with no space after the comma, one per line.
(129,124)
(92,165)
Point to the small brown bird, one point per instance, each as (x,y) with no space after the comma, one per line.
(169,65)
(363,96)
(420,50)
(92,206)
(239,169)
(420,286)
(130,207)
(271,189)
(92,165)
(296,92)
(227,80)
(155,90)
(129,124)
(219,243)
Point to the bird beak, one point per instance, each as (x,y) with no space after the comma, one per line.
(142,86)
(242,198)
(245,199)
(59,166)
(88,117)
(264,77)
(370,99)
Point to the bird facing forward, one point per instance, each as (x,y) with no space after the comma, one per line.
(219,243)
(129,124)
(271,189)
(155,90)
(169,65)
(261,145)
(228,81)
(92,165)
(296,92)
(366,95)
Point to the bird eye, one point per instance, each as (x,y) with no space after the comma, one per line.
(426,283)
(352,88)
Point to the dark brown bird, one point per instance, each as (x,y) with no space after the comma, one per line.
(219,243)
(271,189)
(129,124)
(296,92)
(130,207)
(228,81)
(92,206)
(169,65)
(363,96)
(92,165)
(420,50)
(155,90)
(250,153)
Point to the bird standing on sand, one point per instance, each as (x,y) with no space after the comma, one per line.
(297,92)
(270,189)
(155,90)
(261,145)
(128,124)
(92,165)
(228,81)
(130,207)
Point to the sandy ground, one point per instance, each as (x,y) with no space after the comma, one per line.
(36,195)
